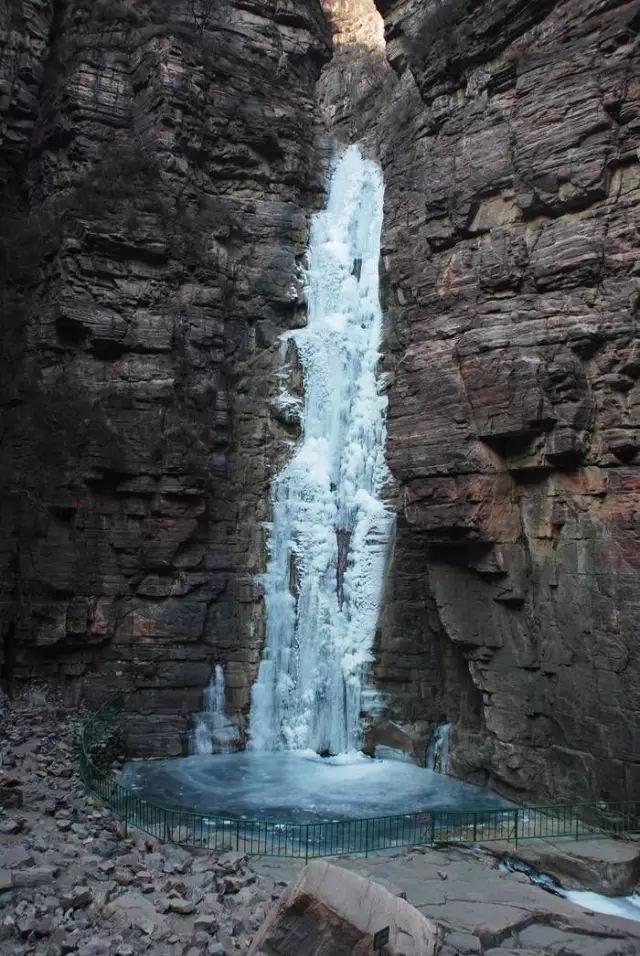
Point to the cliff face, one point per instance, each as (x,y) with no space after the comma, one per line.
(157,171)
(510,151)
(158,165)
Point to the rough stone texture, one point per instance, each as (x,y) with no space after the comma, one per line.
(608,867)
(480,909)
(73,880)
(510,150)
(329,909)
(157,167)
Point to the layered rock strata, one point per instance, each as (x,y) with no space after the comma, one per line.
(510,150)
(158,164)
(157,170)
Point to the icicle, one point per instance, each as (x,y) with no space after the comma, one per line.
(439,748)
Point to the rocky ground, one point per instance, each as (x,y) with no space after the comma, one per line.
(477,907)
(73,883)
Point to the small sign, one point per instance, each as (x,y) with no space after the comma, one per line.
(381,939)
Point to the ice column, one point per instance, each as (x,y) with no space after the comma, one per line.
(328,539)
(439,749)
(214,732)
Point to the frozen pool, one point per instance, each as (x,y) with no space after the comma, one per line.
(300,786)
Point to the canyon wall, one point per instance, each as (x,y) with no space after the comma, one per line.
(157,171)
(510,256)
(158,166)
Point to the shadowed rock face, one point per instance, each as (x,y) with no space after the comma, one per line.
(157,169)
(509,146)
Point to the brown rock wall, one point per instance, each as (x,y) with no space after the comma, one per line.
(512,187)
(159,163)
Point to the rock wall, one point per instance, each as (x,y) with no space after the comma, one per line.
(158,164)
(510,149)
(157,167)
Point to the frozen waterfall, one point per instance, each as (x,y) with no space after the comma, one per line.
(328,539)
(214,732)
(439,749)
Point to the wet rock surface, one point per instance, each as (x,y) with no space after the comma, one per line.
(608,867)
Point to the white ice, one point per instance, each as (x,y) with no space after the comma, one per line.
(300,786)
(213,732)
(439,749)
(330,529)
(626,906)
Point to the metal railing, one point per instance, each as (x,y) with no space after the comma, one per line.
(342,837)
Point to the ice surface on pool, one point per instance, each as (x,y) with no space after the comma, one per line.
(300,786)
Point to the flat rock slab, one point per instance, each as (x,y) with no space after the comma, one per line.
(480,908)
(609,867)
(494,905)
(329,908)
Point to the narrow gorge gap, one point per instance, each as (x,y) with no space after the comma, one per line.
(328,543)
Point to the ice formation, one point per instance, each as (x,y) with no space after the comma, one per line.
(330,528)
(439,749)
(213,732)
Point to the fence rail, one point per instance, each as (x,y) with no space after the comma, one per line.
(342,837)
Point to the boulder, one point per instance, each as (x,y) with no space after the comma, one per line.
(35,876)
(77,897)
(132,910)
(608,867)
(330,909)
(14,857)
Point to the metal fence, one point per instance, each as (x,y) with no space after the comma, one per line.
(341,837)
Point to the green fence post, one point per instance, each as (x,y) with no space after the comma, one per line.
(433,828)
(515,828)
(237,835)
(475,825)
(306,845)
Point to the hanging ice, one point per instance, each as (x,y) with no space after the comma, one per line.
(328,539)
(214,732)
(439,749)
